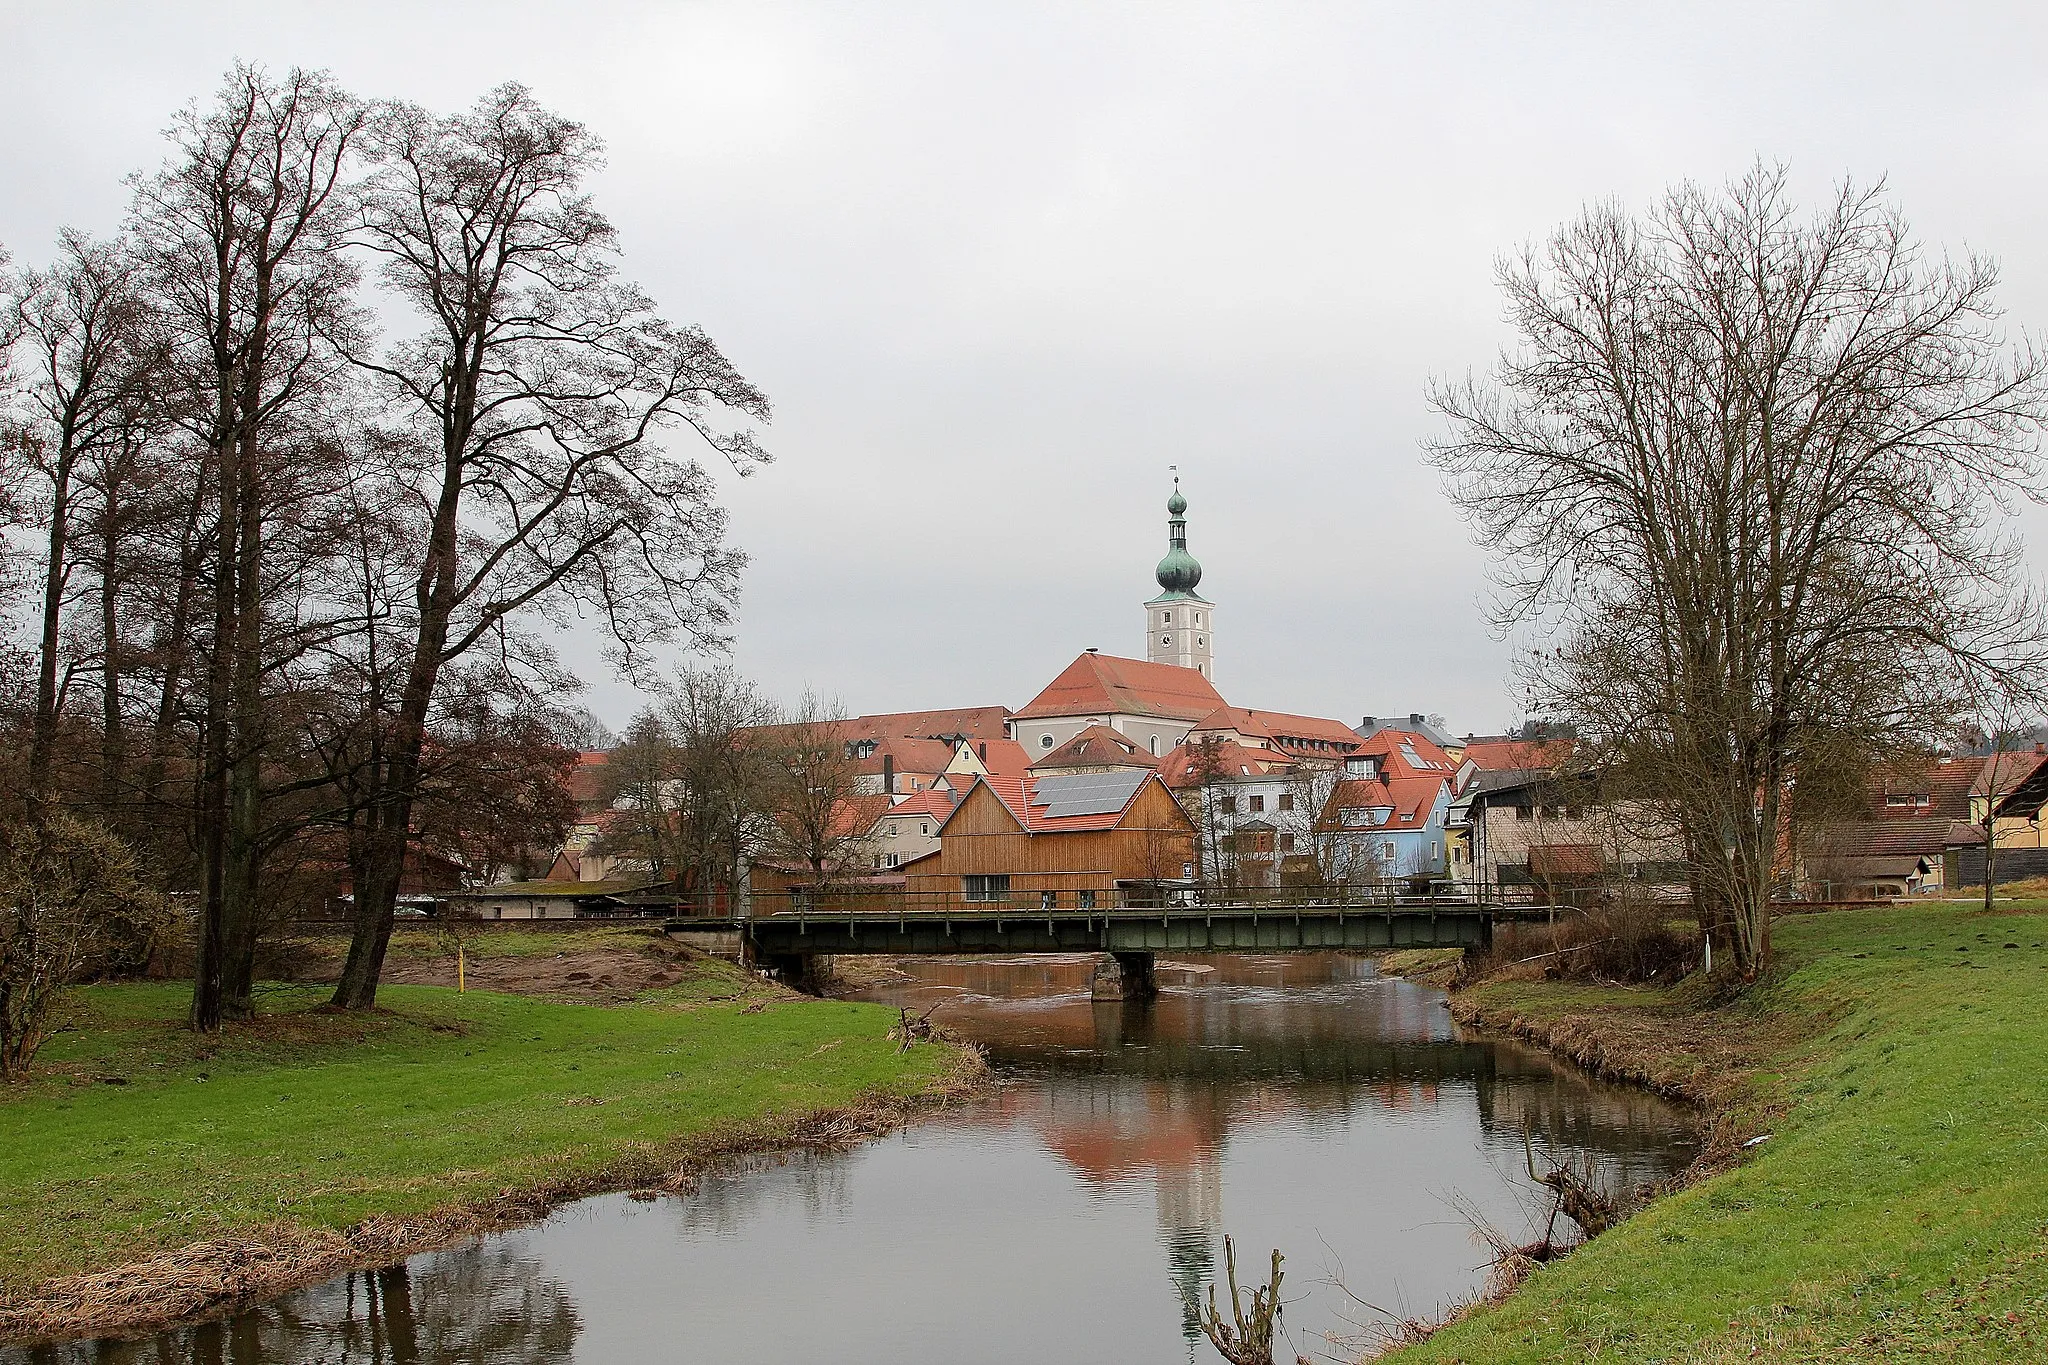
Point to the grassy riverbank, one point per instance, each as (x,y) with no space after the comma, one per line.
(1899,1209)
(309,1139)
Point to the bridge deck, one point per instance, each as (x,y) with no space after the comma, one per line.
(1185,929)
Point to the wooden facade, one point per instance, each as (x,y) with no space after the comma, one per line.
(1152,839)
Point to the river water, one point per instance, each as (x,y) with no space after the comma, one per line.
(1304,1103)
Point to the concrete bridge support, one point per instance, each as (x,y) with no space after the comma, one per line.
(798,971)
(1123,976)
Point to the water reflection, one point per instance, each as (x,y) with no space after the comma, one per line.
(488,1304)
(1304,1103)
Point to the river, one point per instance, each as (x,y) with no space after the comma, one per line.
(1305,1103)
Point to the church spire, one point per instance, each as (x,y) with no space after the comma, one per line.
(1180,571)
(1179,623)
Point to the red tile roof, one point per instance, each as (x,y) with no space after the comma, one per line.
(1412,799)
(1233,760)
(1097,746)
(1300,734)
(1105,685)
(1390,745)
(1565,860)
(1945,783)
(1003,756)
(975,722)
(1498,755)
(934,802)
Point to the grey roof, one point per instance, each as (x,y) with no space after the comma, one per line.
(1087,793)
(1414,722)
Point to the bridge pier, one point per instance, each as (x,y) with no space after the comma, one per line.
(1123,976)
(798,971)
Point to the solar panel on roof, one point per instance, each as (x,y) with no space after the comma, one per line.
(1085,793)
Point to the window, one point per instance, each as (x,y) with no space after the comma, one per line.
(889,859)
(1287,843)
(1227,804)
(1432,850)
(1358,767)
(924,829)
(1155,746)
(1084,900)
(1355,817)
(976,887)
(1045,741)
(1388,850)
(1198,642)
(1198,618)
(1048,900)
(1187,871)
(891,831)
(1165,618)
(1258,804)
(1521,812)
(1286,800)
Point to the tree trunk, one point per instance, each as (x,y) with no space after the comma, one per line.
(56,570)
(113,739)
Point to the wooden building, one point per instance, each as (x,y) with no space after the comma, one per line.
(1072,841)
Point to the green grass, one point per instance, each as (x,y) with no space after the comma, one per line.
(437,1099)
(1900,1209)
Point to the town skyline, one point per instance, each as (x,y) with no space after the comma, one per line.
(997,277)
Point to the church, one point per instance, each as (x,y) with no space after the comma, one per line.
(1153,702)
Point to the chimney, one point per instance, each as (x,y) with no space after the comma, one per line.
(1366,724)
(1091,649)
(1416,718)
(888,774)
(981,752)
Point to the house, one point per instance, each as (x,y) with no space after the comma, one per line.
(909,829)
(1065,842)
(1414,723)
(545,899)
(1383,823)
(1252,806)
(1551,830)
(1154,705)
(1310,738)
(1097,749)
(1923,827)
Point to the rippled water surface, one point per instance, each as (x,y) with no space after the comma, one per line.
(1303,1103)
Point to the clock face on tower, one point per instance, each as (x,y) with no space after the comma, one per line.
(1166,640)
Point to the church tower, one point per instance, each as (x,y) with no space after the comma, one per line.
(1179,623)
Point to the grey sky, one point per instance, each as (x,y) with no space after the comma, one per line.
(999,266)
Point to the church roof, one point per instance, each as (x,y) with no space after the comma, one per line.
(1104,685)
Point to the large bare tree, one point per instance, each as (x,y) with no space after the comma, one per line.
(241,235)
(1750,464)
(85,360)
(532,461)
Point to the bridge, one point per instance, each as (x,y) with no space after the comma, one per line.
(786,930)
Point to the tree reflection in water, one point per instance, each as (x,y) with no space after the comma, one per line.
(477,1305)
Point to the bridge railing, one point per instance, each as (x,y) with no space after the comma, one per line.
(1184,896)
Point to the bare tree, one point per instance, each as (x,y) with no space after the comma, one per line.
(813,778)
(1749,462)
(240,235)
(2005,723)
(81,323)
(532,458)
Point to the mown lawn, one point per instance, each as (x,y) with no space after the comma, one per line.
(1899,1210)
(136,1137)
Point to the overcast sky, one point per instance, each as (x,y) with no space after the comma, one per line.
(998,267)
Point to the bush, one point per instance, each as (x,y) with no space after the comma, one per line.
(71,908)
(1627,936)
